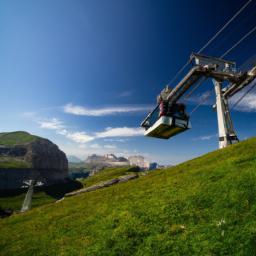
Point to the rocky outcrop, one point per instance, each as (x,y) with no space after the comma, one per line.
(16,151)
(104,184)
(45,155)
(97,162)
(44,160)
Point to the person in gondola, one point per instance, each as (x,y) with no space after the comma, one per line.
(163,102)
(166,109)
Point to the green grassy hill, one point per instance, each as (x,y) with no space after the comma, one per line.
(108,174)
(206,206)
(12,139)
(13,199)
(16,138)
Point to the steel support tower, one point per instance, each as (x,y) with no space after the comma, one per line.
(220,71)
(227,134)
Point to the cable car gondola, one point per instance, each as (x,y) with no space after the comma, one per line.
(166,120)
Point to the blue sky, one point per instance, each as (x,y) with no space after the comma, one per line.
(85,73)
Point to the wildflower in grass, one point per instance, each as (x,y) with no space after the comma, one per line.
(221,222)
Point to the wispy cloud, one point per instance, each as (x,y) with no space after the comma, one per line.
(29,115)
(125,94)
(248,103)
(204,99)
(95,146)
(79,137)
(60,128)
(120,132)
(84,137)
(53,124)
(82,143)
(110,146)
(83,111)
(116,140)
(206,137)
(98,146)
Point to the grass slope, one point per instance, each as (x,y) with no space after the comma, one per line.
(13,163)
(15,202)
(12,139)
(16,138)
(13,199)
(107,174)
(206,206)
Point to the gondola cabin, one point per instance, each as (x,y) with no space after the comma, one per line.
(166,121)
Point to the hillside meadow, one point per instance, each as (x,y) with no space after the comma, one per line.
(206,206)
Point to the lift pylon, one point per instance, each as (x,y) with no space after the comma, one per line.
(219,70)
(227,134)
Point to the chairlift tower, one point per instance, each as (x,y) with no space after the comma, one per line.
(204,67)
(28,198)
(227,134)
(226,130)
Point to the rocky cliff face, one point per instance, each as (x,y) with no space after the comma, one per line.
(98,162)
(44,160)
(45,155)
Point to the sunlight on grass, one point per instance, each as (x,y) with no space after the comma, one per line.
(205,206)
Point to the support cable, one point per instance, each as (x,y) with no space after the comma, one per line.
(238,42)
(178,73)
(210,41)
(242,97)
(239,11)
(222,56)
(195,88)
(200,103)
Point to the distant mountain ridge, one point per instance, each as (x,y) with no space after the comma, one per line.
(108,160)
(73,159)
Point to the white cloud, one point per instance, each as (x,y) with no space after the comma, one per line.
(96,146)
(30,115)
(62,132)
(117,140)
(83,111)
(247,104)
(120,132)
(53,124)
(207,98)
(82,137)
(79,137)
(125,94)
(206,137)
(109,146)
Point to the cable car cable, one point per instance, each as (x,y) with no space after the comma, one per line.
(238,42)
(242,97)
(248,91)
(178,73)
(200,103)
(208,43)
(223,55)
(237,13)
(195,88)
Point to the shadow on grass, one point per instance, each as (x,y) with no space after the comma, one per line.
(56,191)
